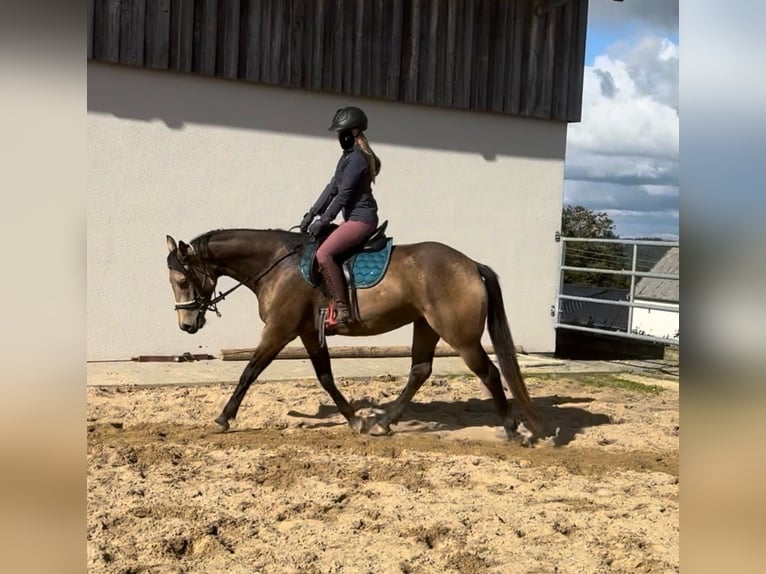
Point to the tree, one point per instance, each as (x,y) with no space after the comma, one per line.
(579,221)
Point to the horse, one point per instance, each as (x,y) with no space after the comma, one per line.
(443,293)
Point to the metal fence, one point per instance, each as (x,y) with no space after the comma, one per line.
(658,271)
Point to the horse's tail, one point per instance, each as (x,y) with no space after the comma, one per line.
(505,351)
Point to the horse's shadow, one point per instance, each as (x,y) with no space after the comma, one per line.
(561,421)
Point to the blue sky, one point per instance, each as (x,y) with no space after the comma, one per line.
(622,158)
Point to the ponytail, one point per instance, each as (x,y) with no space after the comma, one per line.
(373,161)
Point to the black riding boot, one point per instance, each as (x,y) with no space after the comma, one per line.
(338,295)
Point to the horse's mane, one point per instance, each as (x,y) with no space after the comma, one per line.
(290,239)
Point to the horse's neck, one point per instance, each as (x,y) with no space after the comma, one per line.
(243,254)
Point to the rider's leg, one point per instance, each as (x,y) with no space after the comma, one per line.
(348,235)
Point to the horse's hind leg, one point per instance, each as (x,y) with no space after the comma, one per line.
(320,359)
(424,340)
(479,362)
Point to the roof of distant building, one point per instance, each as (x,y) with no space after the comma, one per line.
(649,288)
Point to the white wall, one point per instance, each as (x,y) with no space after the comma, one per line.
(656,322)
(180,154)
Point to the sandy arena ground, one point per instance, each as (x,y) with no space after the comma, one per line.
(292,489)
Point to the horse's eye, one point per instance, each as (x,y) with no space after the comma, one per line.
(183,283)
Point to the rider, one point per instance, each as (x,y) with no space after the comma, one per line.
(349,192)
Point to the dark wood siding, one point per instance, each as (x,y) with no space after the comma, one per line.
(522,57)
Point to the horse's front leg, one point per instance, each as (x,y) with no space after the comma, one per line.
(320,359)
(272,342)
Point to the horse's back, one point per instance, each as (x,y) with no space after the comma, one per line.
(436,264)
(430,253)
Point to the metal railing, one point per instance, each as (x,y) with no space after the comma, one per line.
(630,303)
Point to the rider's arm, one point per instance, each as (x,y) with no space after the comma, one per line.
(328,193)
(324,198)
(346,183)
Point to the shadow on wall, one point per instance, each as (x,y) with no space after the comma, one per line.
(178,99)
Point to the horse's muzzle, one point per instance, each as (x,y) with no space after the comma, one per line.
(193,328)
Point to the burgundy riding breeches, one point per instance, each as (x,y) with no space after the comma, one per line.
(348,235)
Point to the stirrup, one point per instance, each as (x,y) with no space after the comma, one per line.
(327,323)
(349,317)
(331,318)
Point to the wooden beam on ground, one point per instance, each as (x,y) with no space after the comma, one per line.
(361,352)
(186,357)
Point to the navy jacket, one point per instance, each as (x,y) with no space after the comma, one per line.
(349,190)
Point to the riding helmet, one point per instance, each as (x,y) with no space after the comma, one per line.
(348,118)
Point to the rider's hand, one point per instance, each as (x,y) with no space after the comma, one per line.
(306,221)
(316,228)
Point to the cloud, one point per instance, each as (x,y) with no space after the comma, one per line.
(607,195)
(630,102)
(655,224)
(659,15)
(653,67)
(608,88)
(623,156)
(621,169)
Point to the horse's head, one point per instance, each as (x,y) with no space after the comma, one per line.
(192,283)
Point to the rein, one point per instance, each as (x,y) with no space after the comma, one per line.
(199,303)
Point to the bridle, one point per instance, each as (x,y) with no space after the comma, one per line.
(200,302)
(203,302)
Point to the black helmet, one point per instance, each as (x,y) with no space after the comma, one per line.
(348,118)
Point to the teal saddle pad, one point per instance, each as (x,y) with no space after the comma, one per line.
(368,267)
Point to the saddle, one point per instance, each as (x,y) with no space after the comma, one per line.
(363,267)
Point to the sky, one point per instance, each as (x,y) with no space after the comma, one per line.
(622,157)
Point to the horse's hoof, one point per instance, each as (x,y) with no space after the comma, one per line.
(514,434)
(526,442)
(223,422)
(357,424)
(380,430)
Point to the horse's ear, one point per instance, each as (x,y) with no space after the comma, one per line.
(185,250)
(172,246)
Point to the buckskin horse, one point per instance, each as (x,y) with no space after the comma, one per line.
(442,292)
